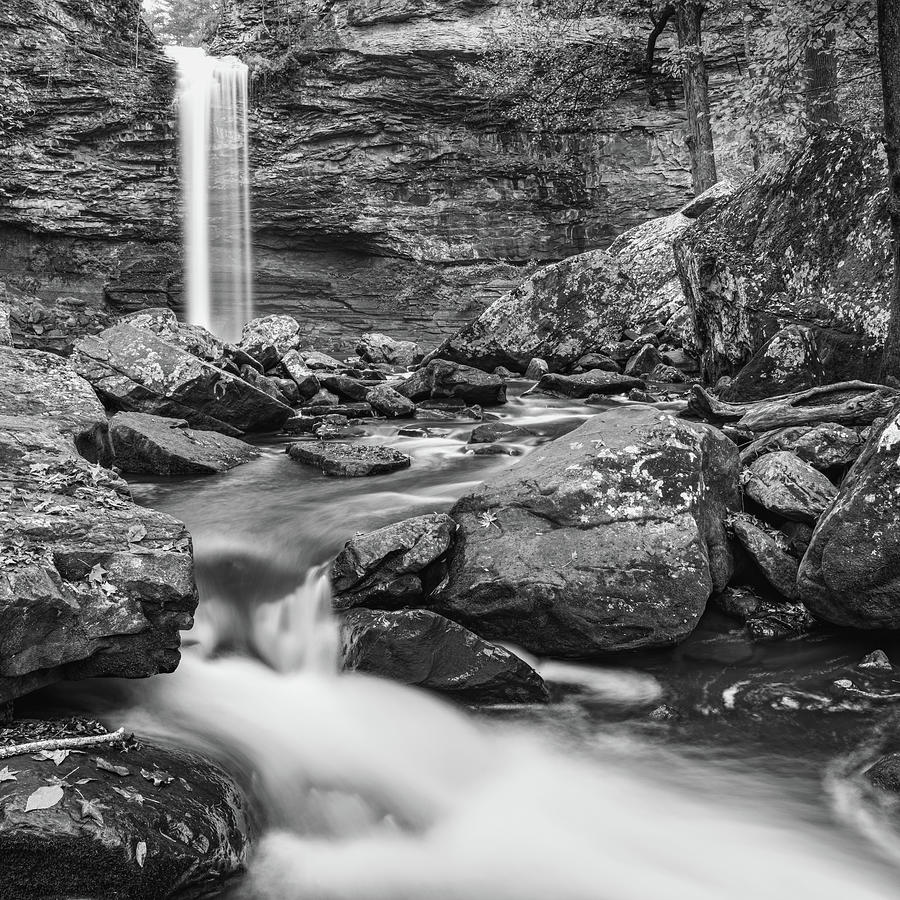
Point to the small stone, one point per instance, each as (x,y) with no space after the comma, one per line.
(349,460)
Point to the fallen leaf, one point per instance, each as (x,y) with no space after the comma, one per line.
(97,574)
(140,853)
(56,756)
(85,780)
(157,777)
(136,533)
(106,766)
(90,809)
(134,796)
(7,775)
(44,798)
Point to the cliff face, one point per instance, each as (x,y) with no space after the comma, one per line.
(88,190)
(383,197)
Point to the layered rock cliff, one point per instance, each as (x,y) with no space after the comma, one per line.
(384,197)
(88,182)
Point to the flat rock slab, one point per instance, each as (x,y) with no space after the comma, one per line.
(156,445)
(349,460)
(597,381)
(164,823)
(93,584)
(419,647)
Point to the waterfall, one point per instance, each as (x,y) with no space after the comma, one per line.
(213,139)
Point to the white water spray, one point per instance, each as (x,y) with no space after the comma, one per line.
(213,138)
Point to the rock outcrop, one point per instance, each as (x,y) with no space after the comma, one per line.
(806,242)
(609,538)
(88,189)
(850,574)
(142,822)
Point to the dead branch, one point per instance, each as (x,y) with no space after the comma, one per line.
(51,744)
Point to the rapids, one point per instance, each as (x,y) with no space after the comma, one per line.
(369,790)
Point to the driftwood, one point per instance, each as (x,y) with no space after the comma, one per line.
(845,403)
(91,740)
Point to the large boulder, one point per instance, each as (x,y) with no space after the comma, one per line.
(394,565)
(142,822)
(374,347)
(850,574)
(442,379)
(135,370)
(575,306)
(783,484)
(419,647)
(194,339)
(154,445)
(805,241)
(34,383)
(825,447)
(389,402)
(597,381)
(268,338)
(610,538)
(93,584)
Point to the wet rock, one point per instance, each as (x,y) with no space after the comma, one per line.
(389,567)
(536,368)
(171,824)
(155,445)
(304,377)
(385,400)
(136,371)
(885,773)
(644,361)
(350,410)
(768,549)
(609,538)
(799,535)
(349,460)
(851,572)
(491,432)
(491,450)
(269,338)
(788,487)
(637,396)
(304,424)
(596,361)
(777,621)
(319,361)
(582,386)
(419,647)
(739,602)
(34,383)
(288,389)
(345,387)
(504,373)
(322,397)
(265,384)
(443,379)
(375,348)
(876,661)
(93,585)
(663,374)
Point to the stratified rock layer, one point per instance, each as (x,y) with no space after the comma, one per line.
(609,538)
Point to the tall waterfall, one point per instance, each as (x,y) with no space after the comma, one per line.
(213,138)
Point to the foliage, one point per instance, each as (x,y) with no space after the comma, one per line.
(186,23)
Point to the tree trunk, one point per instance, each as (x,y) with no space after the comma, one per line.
(889,54)
(688,24)
(821,81)
(747,23)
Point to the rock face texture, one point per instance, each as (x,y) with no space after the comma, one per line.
(851,572)
(609,538)
(383,196)
(805,242)
(147,823)
(88,191)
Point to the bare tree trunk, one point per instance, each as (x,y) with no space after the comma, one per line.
(688,24)
(821,81)
(660,22)
(747,22)
(889,54)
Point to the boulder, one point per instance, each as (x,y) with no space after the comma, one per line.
(93,585)
(134,370)
(786,486)
(269,338)
(805,241)
(850,574)
(491,432)
(154,445)
(825,447)
(34,383)
(193,339)
(349,460)
(663,374)
(391,566)
(536,368)
(644,361)
(594,361)
(610,538)
(345,387)
(320,361)
(598,381)
(444,379)
(769,551)
(786,363)
(385,400)
(419,647)
(143,822)
(304,377)
(379,348)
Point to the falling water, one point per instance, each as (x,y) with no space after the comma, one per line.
(213,137)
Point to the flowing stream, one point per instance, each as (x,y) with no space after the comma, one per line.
(213,141)
(374,791)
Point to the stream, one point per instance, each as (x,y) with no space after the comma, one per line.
(369,790)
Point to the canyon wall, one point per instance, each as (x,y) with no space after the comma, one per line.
(88,181)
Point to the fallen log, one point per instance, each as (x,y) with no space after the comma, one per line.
(846,403)
(69,743)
